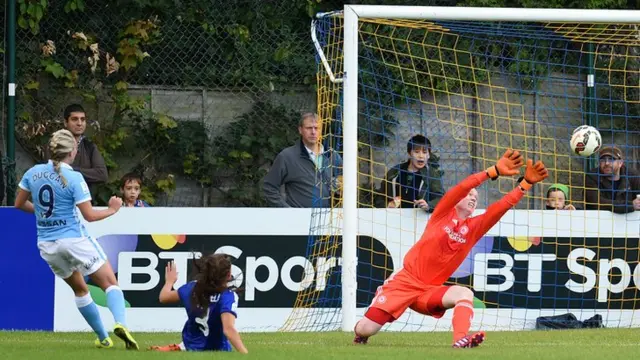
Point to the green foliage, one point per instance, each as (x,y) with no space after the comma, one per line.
(135,34)
(53,68)
(245,150)
(74,5)
(97,59)
(249,43)
(30,12)
(133,132)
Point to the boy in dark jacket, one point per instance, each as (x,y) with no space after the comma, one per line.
(413,184)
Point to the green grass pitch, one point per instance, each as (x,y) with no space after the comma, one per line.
(547,345)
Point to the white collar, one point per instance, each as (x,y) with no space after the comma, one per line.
(62,164)
(311,151)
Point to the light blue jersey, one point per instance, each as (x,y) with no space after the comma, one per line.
(55,203)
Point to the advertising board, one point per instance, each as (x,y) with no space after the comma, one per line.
(530,264)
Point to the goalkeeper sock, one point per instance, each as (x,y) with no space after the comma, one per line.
(115,302)
(90,312)
(462,315)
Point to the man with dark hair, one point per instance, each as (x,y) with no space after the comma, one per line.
(612,186)
(89,162)
(414,184)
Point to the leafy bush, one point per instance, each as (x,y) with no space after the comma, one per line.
(245,150)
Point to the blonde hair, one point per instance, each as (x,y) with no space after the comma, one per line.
(61,145)
(305,116)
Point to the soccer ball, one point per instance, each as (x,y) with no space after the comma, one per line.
(585,140)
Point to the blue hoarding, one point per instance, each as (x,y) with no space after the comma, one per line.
(26,281)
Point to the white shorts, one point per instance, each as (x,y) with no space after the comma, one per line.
(65,256)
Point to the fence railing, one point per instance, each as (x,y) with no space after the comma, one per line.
(196,97)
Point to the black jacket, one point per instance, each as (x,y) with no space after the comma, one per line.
(90,163)
(430,189)
(600,193)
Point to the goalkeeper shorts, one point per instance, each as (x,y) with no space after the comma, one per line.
(402,290)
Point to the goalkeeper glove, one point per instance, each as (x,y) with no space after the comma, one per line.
(508,165)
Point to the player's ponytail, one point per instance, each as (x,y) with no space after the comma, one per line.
(213,273)
(61,145)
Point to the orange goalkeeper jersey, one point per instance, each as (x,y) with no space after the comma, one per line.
(447,240)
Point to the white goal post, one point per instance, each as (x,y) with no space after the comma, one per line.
(352,14)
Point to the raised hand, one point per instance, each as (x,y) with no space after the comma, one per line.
(170,273)
(535,173)
(508,165)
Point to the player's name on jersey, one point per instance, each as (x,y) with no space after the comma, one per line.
(52,223)
(49,176)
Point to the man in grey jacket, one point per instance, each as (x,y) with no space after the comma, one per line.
(308,171)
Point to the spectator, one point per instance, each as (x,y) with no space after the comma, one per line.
(612,186)
(130,189)
(558,198)
(413,184)
(308,171)
(89,162)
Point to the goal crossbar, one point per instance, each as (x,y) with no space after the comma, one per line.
(493,14)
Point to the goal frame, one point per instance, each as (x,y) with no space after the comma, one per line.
(351,16)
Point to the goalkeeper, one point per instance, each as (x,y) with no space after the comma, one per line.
(448,238)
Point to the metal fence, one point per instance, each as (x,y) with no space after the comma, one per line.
(198,97)
(186,96)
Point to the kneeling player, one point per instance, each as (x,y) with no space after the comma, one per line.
(449,236)
(210,305)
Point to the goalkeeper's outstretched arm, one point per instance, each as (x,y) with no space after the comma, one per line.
(508,165)
(533,174)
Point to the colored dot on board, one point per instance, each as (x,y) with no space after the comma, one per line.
(523,243)
(167,242)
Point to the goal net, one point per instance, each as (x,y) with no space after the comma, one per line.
(513,78)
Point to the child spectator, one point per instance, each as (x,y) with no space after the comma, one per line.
(558,198)
(130,188)
(413,184)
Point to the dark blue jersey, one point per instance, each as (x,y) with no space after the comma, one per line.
(203,331)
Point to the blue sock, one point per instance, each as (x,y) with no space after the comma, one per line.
(90,312)
(115,302)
